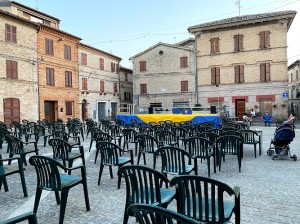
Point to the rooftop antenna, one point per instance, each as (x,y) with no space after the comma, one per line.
(238,3)
(37,4)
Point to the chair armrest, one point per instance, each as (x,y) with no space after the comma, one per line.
(75,168)
(30,217)
(10,159)
(236,190)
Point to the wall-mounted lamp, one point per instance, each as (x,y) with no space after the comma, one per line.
(61,39)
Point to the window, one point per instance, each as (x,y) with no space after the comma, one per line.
(11,69)
(10,33)
(264,39)
(127,96)
(238,42)
(143,88)
(183,62)
(239,73)
(126,77)
(68,79)
(114,67)
(142,66)
(69,107)
(215,75)
(84,83)
(67,52)
(115,87)
(49,46)
(102,63)
(265,72)
(291,77)
(83,59)
(184,86)
(101,86)
(297,76)
(50,76)
(214,45)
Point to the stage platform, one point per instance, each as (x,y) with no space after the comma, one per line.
(146,118)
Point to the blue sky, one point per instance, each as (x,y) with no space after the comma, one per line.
(127,27)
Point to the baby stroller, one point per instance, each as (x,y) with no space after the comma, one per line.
(279,146)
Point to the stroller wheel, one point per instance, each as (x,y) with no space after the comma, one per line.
(273,155)
(269,152)
(295,157)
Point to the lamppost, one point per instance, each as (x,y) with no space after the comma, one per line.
(217,85)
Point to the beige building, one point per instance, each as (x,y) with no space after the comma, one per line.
(18,69)
(294,87)
(242,62)
(164,76)
(126,90)
(98,83)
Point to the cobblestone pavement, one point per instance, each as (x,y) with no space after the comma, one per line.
(269,189)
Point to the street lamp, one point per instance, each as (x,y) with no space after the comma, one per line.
(217,85)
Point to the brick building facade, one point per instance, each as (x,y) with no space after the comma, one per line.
(294,87)
(126,89)
(242,62)
(164,76)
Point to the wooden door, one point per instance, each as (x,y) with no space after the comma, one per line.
(239,109)
(11,110)
(83,110)
(113,110)
(101,110)
(49,110)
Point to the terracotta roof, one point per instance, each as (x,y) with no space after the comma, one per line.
(158,44)
(96,49)
(246,18)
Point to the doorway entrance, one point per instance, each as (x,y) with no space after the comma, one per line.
(102,110)
(83,109)
(11,110)
(113,106)
(240,108)
(50,110)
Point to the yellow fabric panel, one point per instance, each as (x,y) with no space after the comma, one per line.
(172,117)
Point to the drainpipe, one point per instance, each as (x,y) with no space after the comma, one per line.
(196,72)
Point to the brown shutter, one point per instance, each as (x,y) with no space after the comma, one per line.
(118,68)
(182,86)
(101,63)
(52,77)
(267,39)
(262,72)
(241,42)
(236,43)
(11,108)
(8,69)
(262,39)
(213,75)
(7,33)
(101,86)
(14,70)
(186,85)
(268,75)
(211,45)
(237,73)
(51,46)
(66,79)
(241,73)
(217,75)
(112,66)
(115,88)
(217,45)
(14,34)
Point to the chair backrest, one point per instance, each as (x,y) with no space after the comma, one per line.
(249,136)
(180,132)
(129,135)
(146,214)
(142,184)
(211,136)
(232,132)
(203,199)
(147,143)
(166,137)
(109,153)
(230,144)
(3,132)
(103,137)
(47,172)
(61,135)
(198,146)
(60,148)
(173,159)
(14,144)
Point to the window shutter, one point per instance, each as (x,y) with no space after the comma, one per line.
(241,42)
(217,45)
(112,66)
(115,88)
(51,47)
(213,75)
(65,52)
(101,63)
(8,69)
(84,83)
(236,43)
(267,39)
(14,34)
(7,33)
(211,45)
(262,72)
(14,70)
(186,86)
(262,39)
(101,86)
(268,76)
(217,75)
(236,72)
(241,73)
(52,77)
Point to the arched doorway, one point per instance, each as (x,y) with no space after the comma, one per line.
(83,109)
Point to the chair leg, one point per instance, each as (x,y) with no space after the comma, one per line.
(96,156)
(255,150)
(23,158)
(91,145)
(196,166)
(139,157)
(37,199)
(86,194)
(57,198)
(144,157)
(110,172)
(208,166)
(4,182)
(126,216)
(100,173)
(23,183)
(64,199)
